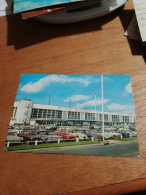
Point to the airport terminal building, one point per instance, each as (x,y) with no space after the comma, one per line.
(26,112)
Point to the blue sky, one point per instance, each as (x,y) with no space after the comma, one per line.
(76,91)
(23,5)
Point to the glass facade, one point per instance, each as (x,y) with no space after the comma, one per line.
(90,116)
(44,113)
(115,118)
(105,117)
(73,115)
(125,118)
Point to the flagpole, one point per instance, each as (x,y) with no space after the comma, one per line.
(102,107)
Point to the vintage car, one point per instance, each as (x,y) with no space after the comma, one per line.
(112,134)
(29,135)
(133,133)
(49,136)
(15,131)
(13,137)
(77,134)
(65,135)
(91,133)
(124,133)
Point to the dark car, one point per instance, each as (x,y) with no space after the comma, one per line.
(125,134)
(30,136)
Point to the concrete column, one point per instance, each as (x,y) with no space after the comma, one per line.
(77,139)
(8,144)
(36,142)
(92,138)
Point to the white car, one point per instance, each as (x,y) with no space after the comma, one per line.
(11,136)
(112,134)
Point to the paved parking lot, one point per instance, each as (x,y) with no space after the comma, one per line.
(129,149)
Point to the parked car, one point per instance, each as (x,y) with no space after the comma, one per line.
(77,134)
(132,133)
(15,131)
(49,136)
(132,127)
(29,136)
(112,134)
(10,127)
(106,135)
(91,133)
(13,137)
(65,135)
(125,133)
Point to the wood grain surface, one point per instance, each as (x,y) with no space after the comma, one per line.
(97,46)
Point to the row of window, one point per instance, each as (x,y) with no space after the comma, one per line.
(44,113)
(90,116)
(57,114)
(74,115)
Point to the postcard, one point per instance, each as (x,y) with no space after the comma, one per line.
(24,5)
(37,12)
(74,114)
(48,9)
(72,6)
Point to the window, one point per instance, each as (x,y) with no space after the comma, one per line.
(40,113)
(125,118)
(44,113)
(89,116)
(105,117)
(34,113)
(14,112)
(100,117)
(73,115)
(115,118)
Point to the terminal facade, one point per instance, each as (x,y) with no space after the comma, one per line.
(28,113)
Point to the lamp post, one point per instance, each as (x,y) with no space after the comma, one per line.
(102,107)
(95,100)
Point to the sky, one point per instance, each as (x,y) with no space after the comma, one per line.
(23,5)
(76,91)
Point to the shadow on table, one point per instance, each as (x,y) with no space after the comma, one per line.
(23,33)
(136,47)
(26,32)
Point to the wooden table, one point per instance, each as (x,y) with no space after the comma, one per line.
(91,47)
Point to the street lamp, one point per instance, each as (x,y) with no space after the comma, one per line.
(95,100)
(102,107)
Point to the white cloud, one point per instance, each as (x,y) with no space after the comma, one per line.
(92,103)
(76,98)
(120,108)
(37,86)
(128,89)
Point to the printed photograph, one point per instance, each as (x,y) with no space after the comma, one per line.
(90,115)
(24,5)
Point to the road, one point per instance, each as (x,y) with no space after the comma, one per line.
(124,149)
